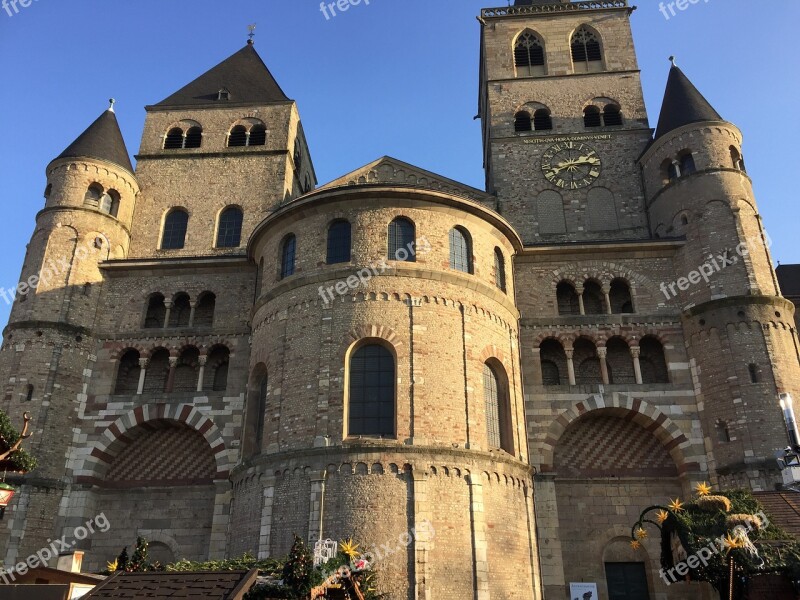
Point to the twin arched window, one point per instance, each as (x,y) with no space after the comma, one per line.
(683,165)
(460,250)
(175,226)
(529,55)
(229,233)
(288,256)
(371,406)
(541,121)
(240,136)
(587,54)
(177,138)
(105,201)
(610,116)
(339,242)
(402,240)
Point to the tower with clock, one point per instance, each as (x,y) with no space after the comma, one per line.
(564,122)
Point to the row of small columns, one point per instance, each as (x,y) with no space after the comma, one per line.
(173,364)
(168,305)
(602,354)
(606,297)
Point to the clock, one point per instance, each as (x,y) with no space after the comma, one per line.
(571,165)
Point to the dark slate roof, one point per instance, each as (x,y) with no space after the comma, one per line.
(222,585)
(103,140)
(244,75)
(789,280)
(683,104)
(783,508)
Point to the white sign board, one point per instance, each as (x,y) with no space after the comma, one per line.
(583,591)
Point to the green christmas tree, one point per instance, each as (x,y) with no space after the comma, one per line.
(123,560)
(139,562)
(298,570)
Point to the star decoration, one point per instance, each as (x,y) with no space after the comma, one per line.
(113,566)
(636,544)
(676,505)
(350,548)
(703,489)
(732,542)
(641,533)
(662,516)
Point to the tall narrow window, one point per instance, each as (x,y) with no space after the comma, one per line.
(339,242)
(542,120)
(754,374)
(499,269)
(175,226)
(522,122)
(529,55)
(737,160)
(371,404)
(262,409)
(460,250)
(587,55)
(687,164)
(288,251)
(29,393)
(229,234)
(498,413)
(591,117)
(402,240)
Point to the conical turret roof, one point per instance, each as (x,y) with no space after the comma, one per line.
(103,140)
(683,104)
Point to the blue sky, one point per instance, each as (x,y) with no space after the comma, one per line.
(392,77)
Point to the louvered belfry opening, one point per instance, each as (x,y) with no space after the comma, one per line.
(591,117)
(523,122)
(542,121)
(529,55)
(237,137)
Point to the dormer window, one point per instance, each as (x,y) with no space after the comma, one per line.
(223,94)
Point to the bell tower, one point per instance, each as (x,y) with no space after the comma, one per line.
(563,120)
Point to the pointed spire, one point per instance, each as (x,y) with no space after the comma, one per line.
(244,75)
(683,103)
(103,140)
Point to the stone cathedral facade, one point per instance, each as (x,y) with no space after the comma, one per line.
(219,353)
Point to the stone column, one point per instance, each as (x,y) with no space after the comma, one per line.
(316,512)
(173,363)
(192,305)
(143,362)
(537,366)
(549,538)
(637,366)
(265,535)
(580,302)
(607,297)
(202,361)
(422,532)
(479,542)
(570,365)
(219,524)
(168,304)
(602,353)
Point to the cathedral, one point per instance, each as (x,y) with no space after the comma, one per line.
(489,385)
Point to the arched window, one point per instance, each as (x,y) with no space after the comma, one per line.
(460,250)
(594,302)
(612,115)
(155,381)
(498,409)
(591,117)
(568,302)
(529,55)
(554,363)
(587,55)
(156,312)
(587,363)
(229,234)
(542,121)
(258,135)
(29,389)
(260,277)
(522,122)
(619,362)
(339,242)
(288,251)
(216,371)
(263,389)
(181,311)
(653,361)
(204,311)
(93,195)
(620,296)
(237,137)
(402,240)
(687,165)
(755,375)
(737,159)
(499,269)
(175,226)
(128,374)
(174,139)
(194,138)
(187,371)
(115,202)
(669,171)
(371,399)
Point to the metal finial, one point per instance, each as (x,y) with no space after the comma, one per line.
(112,102)
(672,60)
(252,34)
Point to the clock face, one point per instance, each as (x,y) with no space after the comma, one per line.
(571,165)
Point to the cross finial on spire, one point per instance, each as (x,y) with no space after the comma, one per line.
(112,102)
(672,60)
(252,34)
